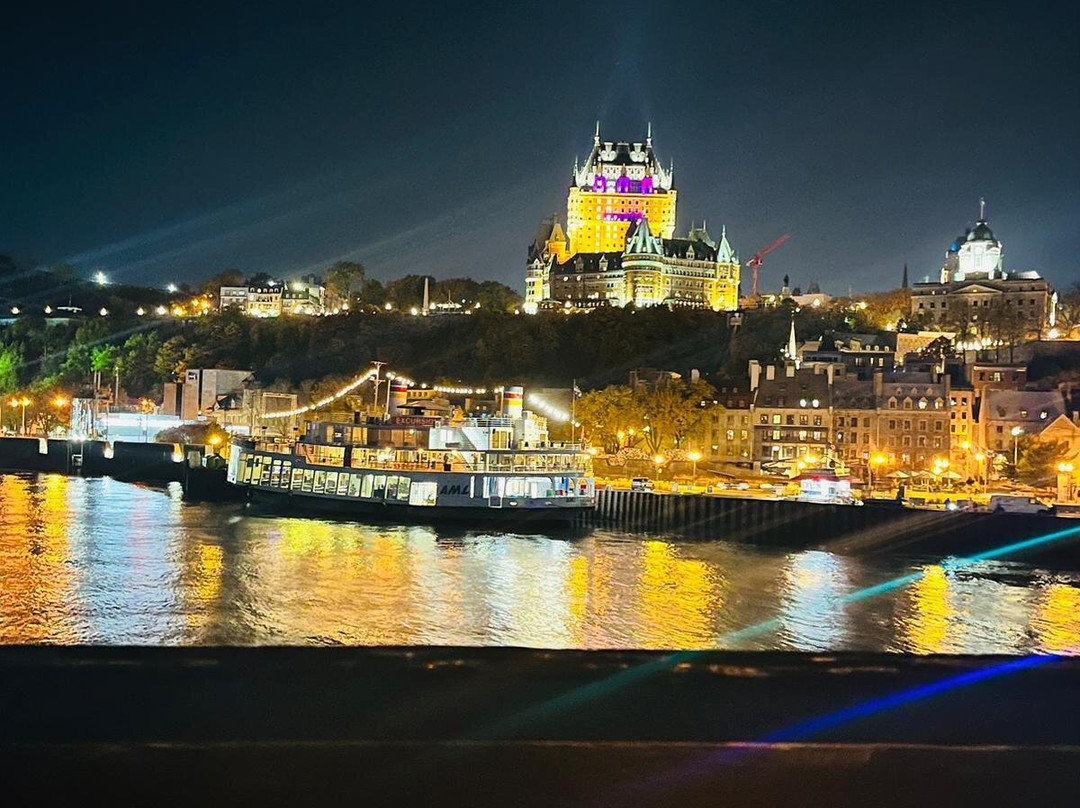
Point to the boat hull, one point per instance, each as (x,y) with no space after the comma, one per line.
(292,502)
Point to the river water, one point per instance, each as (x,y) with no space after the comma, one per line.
(96,561)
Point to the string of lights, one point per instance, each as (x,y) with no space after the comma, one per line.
(548,409)
(344,391)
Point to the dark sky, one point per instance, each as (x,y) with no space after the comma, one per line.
(170,141)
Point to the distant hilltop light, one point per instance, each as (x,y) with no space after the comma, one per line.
(171,288)
(100,278)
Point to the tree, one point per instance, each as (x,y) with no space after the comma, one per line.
(1068,310)
(169,362)
(230,277)
(10,363)
(345,280)
(1038,460)
(609,415)
(672,409)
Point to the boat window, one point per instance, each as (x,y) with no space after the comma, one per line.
(367,487)
(331,482)
(320,482)
(343,484)
(297,478)
(309,479)
(390,491)
(425,493)
(403,488)
(380,486)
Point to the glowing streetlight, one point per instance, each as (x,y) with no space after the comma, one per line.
(140,311)
(171,289)
(161,310)
(694,456)
(100,278)
(104,312)
(60,401)
(14,309)
(389,306)
(876,460)
(23,402)
(1016,432)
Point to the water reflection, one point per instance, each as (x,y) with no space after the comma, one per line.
(97,561)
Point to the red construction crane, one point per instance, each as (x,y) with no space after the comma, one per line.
(755,262)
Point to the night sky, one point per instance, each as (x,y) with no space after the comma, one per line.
(170,142)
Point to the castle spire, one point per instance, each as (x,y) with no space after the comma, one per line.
(596,137)
(903,283)
(982,209)
(648,136)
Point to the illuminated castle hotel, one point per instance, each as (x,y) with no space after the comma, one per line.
(619,246)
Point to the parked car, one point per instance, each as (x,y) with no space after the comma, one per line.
(1006,503)
(641,484)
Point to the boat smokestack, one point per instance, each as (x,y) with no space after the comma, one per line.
(399,394)
(512,401)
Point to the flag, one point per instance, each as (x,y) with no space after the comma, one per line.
(577,391)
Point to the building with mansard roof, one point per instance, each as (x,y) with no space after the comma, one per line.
(620,247)
(975,291)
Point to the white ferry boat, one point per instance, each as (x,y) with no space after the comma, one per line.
(431,467)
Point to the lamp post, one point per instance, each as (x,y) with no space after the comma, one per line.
(658,461)
(1016,433)
(694,456)
(21,402)
(878,459)
(1065,481)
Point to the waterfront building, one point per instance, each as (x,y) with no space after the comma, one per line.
(975,291)
(854,420)
(963,439)
(1028,412)
(913,418)
(791,412)
(725,434)
(620,247)
(200,389)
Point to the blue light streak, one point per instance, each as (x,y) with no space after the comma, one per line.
(598,689)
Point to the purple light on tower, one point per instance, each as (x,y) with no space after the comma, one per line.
(599,183)
(631,216)
(647,185)
(622,185)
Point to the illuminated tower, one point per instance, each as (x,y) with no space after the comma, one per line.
(619,184)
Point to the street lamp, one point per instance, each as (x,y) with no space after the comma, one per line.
(694,456)
(659,461)
(1065,481)
(24,402)
(878,459)
(1016,433)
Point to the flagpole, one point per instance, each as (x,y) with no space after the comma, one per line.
(573,408)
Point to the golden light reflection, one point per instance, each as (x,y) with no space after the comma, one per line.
(928,629)
(678,598)
(1056,621)
(36,582)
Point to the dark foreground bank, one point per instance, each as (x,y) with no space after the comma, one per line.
(437,726)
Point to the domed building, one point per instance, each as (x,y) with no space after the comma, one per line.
(976,297)
(976,254)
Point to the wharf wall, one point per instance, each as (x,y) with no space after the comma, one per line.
(871,528)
